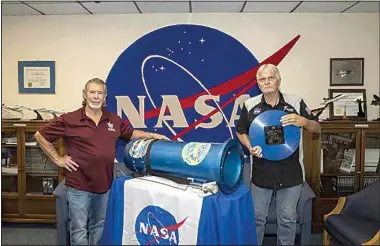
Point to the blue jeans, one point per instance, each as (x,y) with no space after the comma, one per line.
(86,207)
(286,211)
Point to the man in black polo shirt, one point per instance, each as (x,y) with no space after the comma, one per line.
(283,177)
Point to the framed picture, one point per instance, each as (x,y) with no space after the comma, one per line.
(346,71)
(36,77)
(351,106)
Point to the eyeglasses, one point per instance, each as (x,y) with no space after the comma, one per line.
(270,79)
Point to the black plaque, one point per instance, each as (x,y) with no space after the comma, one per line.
(274,135)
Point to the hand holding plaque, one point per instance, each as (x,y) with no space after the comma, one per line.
(293,119)
(256,151)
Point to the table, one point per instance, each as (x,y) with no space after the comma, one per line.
(145,212)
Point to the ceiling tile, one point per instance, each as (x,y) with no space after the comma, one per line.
(322,7)
(365,7)
(17,9)
(163,7)
(46,1)
(59,8)
(163,1)
(270,7)
(212,7)
(272,1)
(330,1)
(226,1)
(192,1)
(109,1)
(111,7)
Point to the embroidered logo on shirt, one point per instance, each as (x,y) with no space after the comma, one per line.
(110,127)
(256,110)
(288,109)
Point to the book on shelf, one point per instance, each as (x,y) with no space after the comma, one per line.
(9,170)
(10,140)
(370,180)
(343,184)
(346,184)
(31,144)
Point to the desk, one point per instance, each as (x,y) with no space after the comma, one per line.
(222,219)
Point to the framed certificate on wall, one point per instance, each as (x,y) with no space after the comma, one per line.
(353,105)
(36,77)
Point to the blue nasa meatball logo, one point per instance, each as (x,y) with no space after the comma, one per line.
(156,226)
(187,82)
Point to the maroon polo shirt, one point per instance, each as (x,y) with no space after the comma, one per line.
(91,146)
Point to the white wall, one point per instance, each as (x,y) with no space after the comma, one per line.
(87,46)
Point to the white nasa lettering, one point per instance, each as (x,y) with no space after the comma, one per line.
(239,102)
(173,237)
(154,231)
(177,115)
(172,103)
(143,228)
(125,104)
(202,108)
(164,232)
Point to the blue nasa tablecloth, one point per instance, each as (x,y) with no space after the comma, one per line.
(223,219)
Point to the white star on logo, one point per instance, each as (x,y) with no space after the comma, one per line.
(202,40)
(162,68)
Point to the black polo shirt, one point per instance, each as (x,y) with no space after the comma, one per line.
(275,174)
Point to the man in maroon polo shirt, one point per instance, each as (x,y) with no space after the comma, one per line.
(90,135)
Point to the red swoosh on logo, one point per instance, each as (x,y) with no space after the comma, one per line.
(226,87)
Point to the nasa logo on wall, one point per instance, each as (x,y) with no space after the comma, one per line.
(156,226)
(187,82)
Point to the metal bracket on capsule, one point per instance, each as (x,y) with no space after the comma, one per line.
(197,182)
(203,185)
